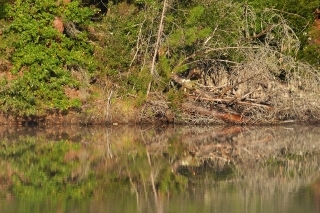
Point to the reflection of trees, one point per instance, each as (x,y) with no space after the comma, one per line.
(149,174)
(155,164)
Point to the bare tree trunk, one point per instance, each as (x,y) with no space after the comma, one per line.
(156,48)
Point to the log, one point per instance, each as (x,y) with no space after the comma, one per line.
(226,117)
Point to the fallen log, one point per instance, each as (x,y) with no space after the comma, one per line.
(224,116)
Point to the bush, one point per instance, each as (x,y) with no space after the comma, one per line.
(44,59)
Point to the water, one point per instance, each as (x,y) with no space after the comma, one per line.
(160,169)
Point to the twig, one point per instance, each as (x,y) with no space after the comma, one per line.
(263,32)
(138,41)
(210,37)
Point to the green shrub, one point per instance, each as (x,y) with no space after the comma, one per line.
(42,169)
(43,58)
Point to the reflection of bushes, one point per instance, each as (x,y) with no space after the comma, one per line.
(36,168)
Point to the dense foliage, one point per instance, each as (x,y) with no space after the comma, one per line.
(42,58)
(135,47)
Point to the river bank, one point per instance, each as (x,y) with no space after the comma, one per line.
(136,65)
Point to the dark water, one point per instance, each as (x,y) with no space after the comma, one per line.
(160,169)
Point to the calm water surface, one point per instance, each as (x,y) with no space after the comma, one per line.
(160,169)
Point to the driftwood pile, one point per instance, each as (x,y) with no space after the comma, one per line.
(266,88)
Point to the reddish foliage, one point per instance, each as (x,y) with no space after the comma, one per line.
(315,30)
(58,24)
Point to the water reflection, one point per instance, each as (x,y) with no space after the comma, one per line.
(160,169)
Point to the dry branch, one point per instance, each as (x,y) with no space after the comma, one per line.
(160,30)
(263,32)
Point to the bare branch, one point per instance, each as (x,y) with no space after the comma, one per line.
(160,30)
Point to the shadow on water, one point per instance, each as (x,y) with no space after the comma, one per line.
(160,169)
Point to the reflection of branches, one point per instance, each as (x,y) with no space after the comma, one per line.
(152,180)
(109,150)
(137,194)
